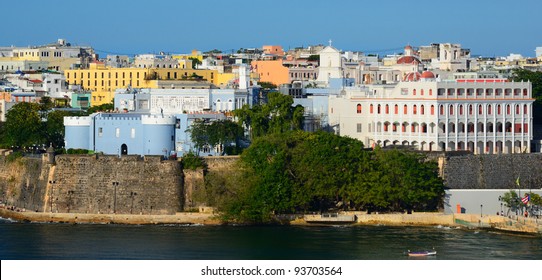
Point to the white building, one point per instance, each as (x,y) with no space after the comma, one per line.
(484,116)
(155,61)
(331,65)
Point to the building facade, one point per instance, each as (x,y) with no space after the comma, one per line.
(485,116)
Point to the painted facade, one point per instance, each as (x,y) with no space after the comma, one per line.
(103,81)
(482,116)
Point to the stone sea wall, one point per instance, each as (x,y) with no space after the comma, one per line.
(151,186)
(93,184)
(467,171)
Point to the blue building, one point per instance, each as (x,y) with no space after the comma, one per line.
(122,133)
(154,121)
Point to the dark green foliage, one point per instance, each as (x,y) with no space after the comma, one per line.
(101,108)
(192,161)
(276,116)
(536,79)
(54,128)
(298,171)
(267,85)
(195,62)
(23,126)
(314,57)
(77,151)
(29,125)
(221,132)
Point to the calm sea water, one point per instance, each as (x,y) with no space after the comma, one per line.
(22,241)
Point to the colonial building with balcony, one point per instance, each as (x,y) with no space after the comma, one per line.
(484,116)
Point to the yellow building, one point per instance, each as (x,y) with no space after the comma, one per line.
(103,80)
(195,54)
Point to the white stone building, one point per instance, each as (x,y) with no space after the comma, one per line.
(484,116)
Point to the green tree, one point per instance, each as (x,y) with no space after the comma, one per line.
(46,103)
(23,126)
(195,62)
(53,130)
(511,200)
(101,108)
(276,116)
(267,85)
(297,171)
(535,77)
(535,199)
(224,133)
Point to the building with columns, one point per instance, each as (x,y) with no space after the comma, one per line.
(484,116)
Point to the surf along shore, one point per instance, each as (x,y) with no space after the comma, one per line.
(471,221)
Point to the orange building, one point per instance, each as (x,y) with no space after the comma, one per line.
(271,71)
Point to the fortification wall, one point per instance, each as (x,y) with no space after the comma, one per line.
(23,181)
(109,184)
(467,171)
(93,184)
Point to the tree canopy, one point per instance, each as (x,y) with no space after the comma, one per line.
(535,78)
(297,171)
(220,132)
(32,124)
(276,116)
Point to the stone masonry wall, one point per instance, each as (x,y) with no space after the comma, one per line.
(493,171)
(109,184)
(22,182)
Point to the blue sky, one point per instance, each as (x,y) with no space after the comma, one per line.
(131,26)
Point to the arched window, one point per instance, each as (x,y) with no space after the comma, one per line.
(378,109)
(371,108)
(525,109)
(359,109)
(451,110)
(414,92)
(441,110)
(421,91)
(430,91)
(470,110)
(405,109)
(422,108)
(524,92)
(489,109)
(517,109)
(461,110)
(396,109)
(499,109)
(432,110)
(387,109)
(480,109)
(414,109)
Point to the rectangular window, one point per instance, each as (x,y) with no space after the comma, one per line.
(359,127)
(117,132)
(132,133)
(100,131)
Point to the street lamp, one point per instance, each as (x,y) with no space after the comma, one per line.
(132,194)
(481,206)
(52,182)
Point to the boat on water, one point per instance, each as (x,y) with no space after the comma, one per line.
(424,253)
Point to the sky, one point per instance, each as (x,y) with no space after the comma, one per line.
(486,27)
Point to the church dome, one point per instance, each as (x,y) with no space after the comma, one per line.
(408,60)
(412,77)
(428,75)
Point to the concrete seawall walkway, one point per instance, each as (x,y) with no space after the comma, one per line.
(511,224)
(83,218)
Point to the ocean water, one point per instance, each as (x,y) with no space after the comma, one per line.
(30,241)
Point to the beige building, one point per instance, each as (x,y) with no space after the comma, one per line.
(488,116)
